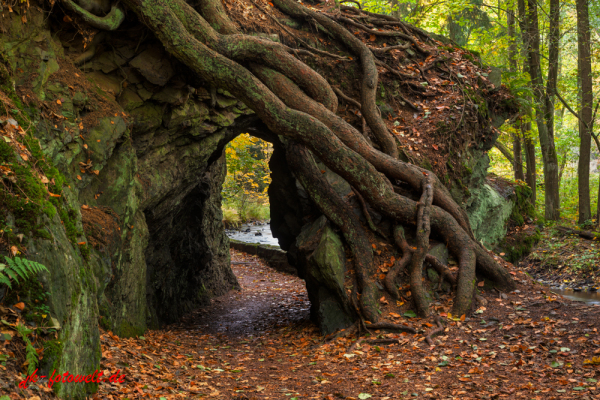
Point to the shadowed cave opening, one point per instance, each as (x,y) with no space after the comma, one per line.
(187,257)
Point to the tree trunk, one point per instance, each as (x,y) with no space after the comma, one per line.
(512,65)
(525,127)
(299,104)
(586,103)
(543,101)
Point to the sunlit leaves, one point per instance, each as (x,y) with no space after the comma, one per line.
(248,174)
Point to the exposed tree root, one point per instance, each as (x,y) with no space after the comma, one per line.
(365,210)
(297,103)
(110,22)
(441,269)
(423,231)
(337,211)
(388,326)
(399,265)
(347,99)
(370,75)
(286,30)
(382,33)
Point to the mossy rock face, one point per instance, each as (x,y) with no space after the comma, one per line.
(488,213)
(324,272)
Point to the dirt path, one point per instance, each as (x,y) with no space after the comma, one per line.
(258,344)
(267,300)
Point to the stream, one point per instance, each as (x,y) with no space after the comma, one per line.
(254,233)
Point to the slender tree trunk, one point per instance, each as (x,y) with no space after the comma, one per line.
(545,125)
(512,65)
(525,128)
(586,102)
(531,177)
(396,9)
(518,154)
(597,140)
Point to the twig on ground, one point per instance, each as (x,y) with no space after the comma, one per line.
(434,332)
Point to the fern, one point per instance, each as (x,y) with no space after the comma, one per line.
(31,354)
(18,267)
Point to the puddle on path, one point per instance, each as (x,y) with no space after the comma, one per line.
(248,234)
(586,297)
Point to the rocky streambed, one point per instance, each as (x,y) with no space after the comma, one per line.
(256,232)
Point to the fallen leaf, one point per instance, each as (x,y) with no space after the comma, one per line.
(20,306)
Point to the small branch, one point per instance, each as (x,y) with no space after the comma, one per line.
(440,268)
(589,235)
(286,30)
(347,99)
(434,332)
(400,265)
(383,341)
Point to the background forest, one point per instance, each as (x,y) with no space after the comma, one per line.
(547,52)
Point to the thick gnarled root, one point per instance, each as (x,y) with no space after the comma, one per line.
(297,103)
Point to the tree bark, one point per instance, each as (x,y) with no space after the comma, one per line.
(586,103)
(512,65)
(525,127)
(545,125)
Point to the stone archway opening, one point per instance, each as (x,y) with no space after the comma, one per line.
(188,254)
(245,200)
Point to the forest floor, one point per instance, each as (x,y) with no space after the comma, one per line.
(563,260)
(258,343)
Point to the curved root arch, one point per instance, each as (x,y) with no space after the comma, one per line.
(296,102)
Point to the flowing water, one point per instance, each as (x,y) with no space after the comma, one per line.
(254,233)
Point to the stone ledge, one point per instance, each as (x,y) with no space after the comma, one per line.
(273,256)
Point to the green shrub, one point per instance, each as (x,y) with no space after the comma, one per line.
(231,218)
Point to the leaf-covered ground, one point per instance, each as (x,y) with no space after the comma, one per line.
(565,260)
(258,343)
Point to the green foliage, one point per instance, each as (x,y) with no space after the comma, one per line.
(31,356)
(18,267)
(248,177)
